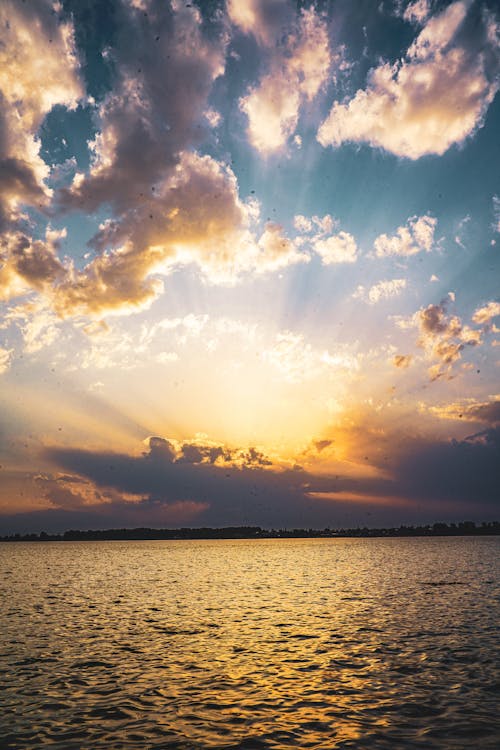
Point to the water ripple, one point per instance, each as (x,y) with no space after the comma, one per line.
(327,644)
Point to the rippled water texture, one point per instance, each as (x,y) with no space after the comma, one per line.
(316,643)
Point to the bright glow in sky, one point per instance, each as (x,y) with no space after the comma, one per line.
(249,263)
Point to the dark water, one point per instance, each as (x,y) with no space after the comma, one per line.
(250,644)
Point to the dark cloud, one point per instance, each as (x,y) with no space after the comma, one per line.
(206,485)
(488,412)
(461,472)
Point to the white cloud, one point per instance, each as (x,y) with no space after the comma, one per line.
(332,248)
(383,290)
(434,97)
(272,109)
(297,361)
(416,237)
(302,223)
(338,248)
(277,250)
(297,71)
(264,19)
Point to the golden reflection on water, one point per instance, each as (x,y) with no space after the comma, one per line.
(250,644)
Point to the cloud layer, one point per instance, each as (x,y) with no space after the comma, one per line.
(203,483)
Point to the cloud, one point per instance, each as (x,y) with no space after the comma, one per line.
(165,67)
(417,12)
(298,68)
(194,216)
(396,477)
(169,205)
(484,315)
(5,359)
(434,97)
(402,361)
(277,251)
(38,325)
(469,410)
(338,248)
(444,337)
(331,247)
(459,472)
(383,290)
(417,236)
(297,361)
(265,20)
(224,485)
(29,264)
(38,69)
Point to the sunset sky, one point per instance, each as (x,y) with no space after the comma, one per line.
(249,263)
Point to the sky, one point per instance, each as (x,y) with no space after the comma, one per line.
(249,263)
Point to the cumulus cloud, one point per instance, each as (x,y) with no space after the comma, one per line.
(338,248)
(484,315)
(331,247)
(444,337)
(165,67)
(434,97)
(298,68)
(169,205)
(38,69)
(28,263)
(276,250)
(194,216)
(381,291)
(417,236)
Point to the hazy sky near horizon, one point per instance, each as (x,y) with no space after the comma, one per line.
(249,263)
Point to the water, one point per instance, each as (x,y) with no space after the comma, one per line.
(316,643)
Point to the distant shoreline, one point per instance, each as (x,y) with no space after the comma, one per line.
(464,528)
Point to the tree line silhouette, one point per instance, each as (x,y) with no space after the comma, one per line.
(463,528)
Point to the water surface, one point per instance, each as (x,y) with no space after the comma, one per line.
(313,643)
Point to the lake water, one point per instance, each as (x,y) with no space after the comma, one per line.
(314,643)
